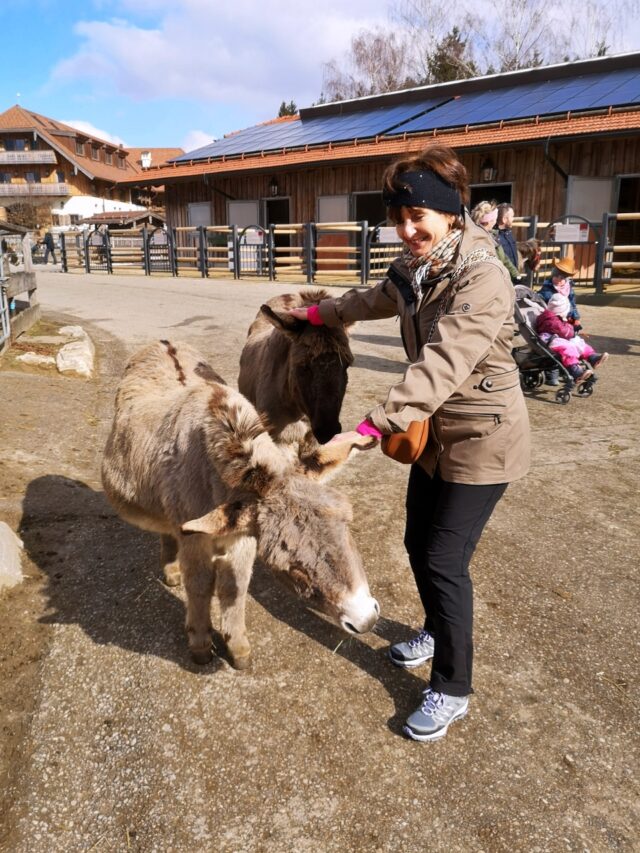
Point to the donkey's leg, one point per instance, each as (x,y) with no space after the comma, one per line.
(168,560)
(233,573)
(194,556)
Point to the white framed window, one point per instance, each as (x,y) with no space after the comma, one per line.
(589,197)
(332,208)
(199,213)
(243,213)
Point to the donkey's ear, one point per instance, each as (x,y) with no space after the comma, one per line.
(327,459)
(236,518)
(283,321)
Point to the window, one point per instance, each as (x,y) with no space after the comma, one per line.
(60,177)
(95,152)
(15,144)
(199,213)
(108,158)
(5,177)
(121,162)
(32,177)
(333,208)
(80,148)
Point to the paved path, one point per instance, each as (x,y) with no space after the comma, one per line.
(131,747)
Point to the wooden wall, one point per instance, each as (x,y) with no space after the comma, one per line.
(537,187)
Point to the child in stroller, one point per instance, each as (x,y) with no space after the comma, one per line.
(543,347)
(561,336)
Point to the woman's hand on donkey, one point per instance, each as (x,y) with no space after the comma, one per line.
(299,313)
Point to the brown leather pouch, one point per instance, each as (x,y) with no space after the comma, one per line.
(407,447)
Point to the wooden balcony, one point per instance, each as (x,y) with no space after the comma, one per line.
(27,157)
(23,190)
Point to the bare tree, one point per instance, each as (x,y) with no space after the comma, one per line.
(431,42)
(521,36)
(377,62)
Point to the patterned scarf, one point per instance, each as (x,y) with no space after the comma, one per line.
(426,269)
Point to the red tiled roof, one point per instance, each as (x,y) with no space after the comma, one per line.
(17,118)
(159,156)
(476,137)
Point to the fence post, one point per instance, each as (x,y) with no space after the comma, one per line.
(364,252)
(87,260)
(63,252)
(601,254)
(308,250)
(235,248)
(146,258)
(173,254)
(202,250)
(531,235)
(106,242)
(272,252)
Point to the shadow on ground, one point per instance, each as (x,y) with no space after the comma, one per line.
(103,575)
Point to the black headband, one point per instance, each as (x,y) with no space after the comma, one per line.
(424,189)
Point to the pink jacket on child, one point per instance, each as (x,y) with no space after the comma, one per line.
(550,324)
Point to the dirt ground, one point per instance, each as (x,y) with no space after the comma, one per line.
(113,740)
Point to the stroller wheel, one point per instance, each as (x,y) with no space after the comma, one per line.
(530,380)
(563,396)
(586,389)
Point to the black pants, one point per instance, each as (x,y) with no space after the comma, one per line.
(444,524)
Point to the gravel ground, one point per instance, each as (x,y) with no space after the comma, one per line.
(114,741)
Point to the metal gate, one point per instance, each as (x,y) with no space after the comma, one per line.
(252,251)
(160,251)
(97,251)
(5,327)
(383,246)
(570,236)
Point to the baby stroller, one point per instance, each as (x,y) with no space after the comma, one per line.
(532,355)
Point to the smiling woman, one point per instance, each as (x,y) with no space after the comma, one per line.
(455,304)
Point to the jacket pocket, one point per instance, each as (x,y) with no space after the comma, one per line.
(472,445)
(466,424)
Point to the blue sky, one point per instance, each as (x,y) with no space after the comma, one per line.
(171,72)
(180,72)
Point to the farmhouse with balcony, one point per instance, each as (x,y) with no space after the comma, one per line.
(552,140)
(45,163)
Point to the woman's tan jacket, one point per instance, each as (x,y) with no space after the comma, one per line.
(464,379)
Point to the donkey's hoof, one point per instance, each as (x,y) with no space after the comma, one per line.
(171,574)
(239,661)
(201,656)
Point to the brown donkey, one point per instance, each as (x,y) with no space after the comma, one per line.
(292,370)
(189,458)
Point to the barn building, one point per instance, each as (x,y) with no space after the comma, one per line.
(552,140)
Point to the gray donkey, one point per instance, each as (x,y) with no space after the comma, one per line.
(291,370)
(189,458)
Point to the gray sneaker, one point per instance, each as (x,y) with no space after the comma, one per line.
(435,714)
(413,653)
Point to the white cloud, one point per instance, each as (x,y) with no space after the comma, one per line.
(92,130)
(246,53)
(196,139)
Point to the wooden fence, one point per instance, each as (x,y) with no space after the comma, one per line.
(341,252)
(335,252)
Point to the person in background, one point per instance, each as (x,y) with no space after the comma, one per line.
(560,281)
(560,335)
(49,247)
(504,234)
(485,214)
(455,303)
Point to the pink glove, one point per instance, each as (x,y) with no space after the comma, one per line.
(367,428)
(313,315)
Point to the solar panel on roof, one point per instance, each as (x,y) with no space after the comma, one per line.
(547,97)
(591,91)
(361,124)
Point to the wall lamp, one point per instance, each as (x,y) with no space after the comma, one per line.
(488,171)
